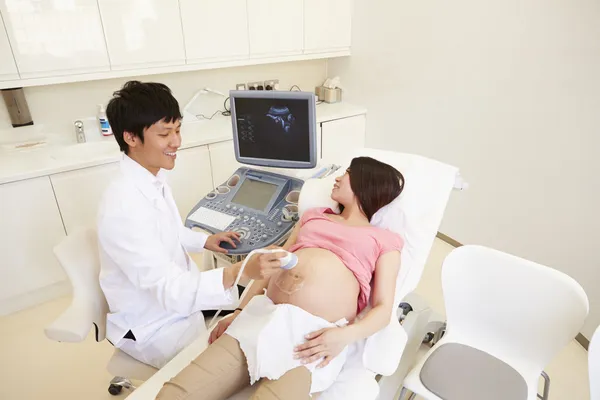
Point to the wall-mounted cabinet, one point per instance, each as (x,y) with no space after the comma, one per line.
(327,25)
(49,42)
(275,27)
(142,37)
(214,30)
(52,38)
(8,68)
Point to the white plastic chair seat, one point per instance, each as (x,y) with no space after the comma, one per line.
(481,375)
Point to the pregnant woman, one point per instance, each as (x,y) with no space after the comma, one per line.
(292,330)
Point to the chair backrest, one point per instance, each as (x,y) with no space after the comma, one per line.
(78,255)
(594,365)
(514,309)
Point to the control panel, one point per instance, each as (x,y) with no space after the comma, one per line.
(261,206)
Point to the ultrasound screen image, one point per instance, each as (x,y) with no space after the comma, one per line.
(274,129)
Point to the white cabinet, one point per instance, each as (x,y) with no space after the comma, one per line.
(8,68)
(30,229)
(214,30)
(51,38)
(191,179)
(327,25)
(142,34)
(78,194)
(276,27)
(222,161)
(341,136)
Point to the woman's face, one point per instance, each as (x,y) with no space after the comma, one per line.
(342,191)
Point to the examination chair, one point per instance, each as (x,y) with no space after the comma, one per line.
(390,353)
(507,317)
(78,255)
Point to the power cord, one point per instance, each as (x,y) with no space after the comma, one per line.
(225,113)
(299,90)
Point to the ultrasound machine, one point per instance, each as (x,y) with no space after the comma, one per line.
(271,129)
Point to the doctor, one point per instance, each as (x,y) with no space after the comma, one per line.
(154,290)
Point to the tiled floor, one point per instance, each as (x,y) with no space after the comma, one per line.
(34,367)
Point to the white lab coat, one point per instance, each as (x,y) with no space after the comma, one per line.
(152,286)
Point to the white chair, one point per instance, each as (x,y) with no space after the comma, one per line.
(594,365)
(78,255)
(506,319)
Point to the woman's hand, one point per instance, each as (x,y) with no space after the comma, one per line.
(222,327)
(325,343)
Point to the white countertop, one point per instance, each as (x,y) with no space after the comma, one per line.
(55,157)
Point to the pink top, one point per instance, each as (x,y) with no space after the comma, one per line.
(358,247)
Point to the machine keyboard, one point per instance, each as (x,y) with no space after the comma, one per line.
(212,218)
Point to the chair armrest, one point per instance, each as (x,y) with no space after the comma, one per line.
(415,326)
(73,325)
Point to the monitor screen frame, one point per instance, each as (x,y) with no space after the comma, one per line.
(309,97)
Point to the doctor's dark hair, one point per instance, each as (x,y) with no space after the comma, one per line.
(375,184)
(138,106)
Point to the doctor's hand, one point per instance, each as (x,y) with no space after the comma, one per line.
(222,327)
(324,343)
(264,265)
(213,242)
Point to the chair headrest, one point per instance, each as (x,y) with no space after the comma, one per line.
(416,214)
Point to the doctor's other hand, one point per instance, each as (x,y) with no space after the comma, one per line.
(213,242)
(264,265)
(222,327)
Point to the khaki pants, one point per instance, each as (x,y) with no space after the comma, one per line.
(221,371)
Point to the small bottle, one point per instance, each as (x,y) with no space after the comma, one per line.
(103,121)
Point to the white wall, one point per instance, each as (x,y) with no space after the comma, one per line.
(57,106)
(509,91)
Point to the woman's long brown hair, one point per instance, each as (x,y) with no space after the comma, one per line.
(375,184)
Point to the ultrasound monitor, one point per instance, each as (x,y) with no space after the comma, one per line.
(274,128)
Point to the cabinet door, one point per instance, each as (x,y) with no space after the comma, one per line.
(140,35)
(215,30)
(30,229)
(276,27)
(341,136)
(8,68)
(51,37)
(223,162)
(78,194)
(327,25)
(191,179)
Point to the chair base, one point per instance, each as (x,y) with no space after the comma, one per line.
(118,383)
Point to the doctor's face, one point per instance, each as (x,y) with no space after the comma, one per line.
(159,147)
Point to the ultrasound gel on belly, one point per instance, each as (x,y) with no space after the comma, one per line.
(289,282)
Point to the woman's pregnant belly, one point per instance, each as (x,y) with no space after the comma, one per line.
(320,283)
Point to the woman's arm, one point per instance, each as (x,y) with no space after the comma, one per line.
(329,342)
(382,298)
(293,237)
